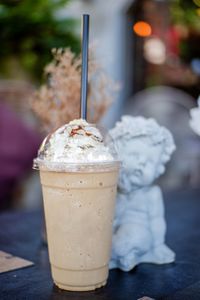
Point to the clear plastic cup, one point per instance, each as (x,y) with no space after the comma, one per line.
(79,202)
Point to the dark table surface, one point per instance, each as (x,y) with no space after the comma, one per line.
(21,235)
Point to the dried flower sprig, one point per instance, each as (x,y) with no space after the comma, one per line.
(58,102)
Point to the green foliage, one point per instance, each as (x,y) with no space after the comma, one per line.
(185,12)
(30,29)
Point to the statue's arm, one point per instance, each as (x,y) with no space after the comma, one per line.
(156,214)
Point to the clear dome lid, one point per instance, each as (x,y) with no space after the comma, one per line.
(77,146)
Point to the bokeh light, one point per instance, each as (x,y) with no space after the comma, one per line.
(142,28)
(155,51)
(198,11)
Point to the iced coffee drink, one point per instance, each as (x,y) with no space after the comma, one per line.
(79,177)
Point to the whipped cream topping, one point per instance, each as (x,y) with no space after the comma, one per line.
(75,142)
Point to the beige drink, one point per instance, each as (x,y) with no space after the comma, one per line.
(79,210)
(78,172)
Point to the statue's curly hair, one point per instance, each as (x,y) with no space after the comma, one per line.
(134,127)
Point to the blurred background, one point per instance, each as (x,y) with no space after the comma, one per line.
(151,47)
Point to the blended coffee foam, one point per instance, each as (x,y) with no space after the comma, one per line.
(79,177)
(76,142)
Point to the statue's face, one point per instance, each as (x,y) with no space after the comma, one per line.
(141,161)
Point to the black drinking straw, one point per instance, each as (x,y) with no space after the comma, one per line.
(84,73)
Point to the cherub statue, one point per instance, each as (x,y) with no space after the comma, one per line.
(195,118)
(139,227)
